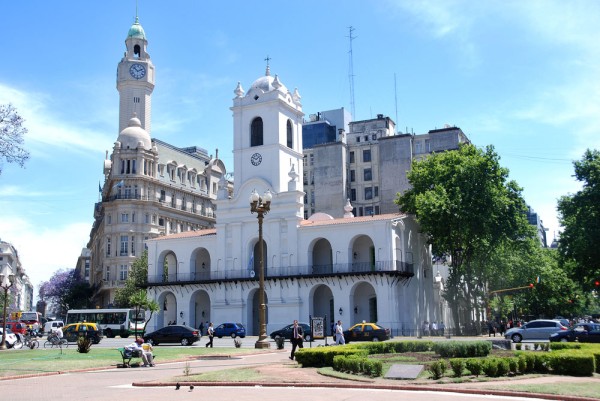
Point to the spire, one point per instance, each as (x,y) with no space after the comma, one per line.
(268,72)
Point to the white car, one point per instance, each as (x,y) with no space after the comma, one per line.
(11,339)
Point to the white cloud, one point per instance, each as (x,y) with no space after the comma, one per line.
(43,250)
(46,129)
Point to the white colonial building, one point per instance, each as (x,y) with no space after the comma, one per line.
(376,268)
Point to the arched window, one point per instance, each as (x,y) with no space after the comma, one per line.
(256,132)
(136,51)
(290,137)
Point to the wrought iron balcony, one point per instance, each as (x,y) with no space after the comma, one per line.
(394,268)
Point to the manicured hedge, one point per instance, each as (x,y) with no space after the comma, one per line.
(323,356)
(462,349)
(570,364)
(357,365)
(390,347)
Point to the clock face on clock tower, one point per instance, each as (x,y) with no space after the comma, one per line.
(256,159)
(137,71)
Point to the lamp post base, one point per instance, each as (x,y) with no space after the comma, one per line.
(262,343)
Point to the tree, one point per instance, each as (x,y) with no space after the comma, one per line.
(136,279)
(65,290)
(139,300)
(552,293)
(579,214)
(11,136)
(467,207)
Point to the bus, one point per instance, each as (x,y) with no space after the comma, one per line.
(122,322)
(30,318)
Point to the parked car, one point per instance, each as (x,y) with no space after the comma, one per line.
(366,332)
(582,332)
(11,339)
(52,325)
(230,329)
(184,335)
(75,330)
(288,331)
(16,327)
(540,329)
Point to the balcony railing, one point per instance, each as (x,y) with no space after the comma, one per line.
(390,267)
(162,201)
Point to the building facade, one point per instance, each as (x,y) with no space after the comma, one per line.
(371,268)
(366,162)
(21,292)
(151,188)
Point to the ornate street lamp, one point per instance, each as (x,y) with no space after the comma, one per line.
(261,206)
(5,286)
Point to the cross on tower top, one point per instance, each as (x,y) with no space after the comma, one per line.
(268,72)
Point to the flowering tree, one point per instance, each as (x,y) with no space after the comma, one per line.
(66,290)
(11,136)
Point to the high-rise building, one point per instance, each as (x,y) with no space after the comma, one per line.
(151,188)
(365,163)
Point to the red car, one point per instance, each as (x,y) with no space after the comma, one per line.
(16,327)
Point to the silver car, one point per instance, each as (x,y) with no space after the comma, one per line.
(535,330)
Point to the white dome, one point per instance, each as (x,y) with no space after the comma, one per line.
(134,136)
(267,83)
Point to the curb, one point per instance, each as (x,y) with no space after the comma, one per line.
(374,386)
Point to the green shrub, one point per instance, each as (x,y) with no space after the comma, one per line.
(561,346)
(323,356)
(503,366)
(572,364)
(84,344)
(490,367)
(437,369)
(357,365)
(462,349)
(458,366)
(522,363)
(541,363)
(474,366)
(513,365)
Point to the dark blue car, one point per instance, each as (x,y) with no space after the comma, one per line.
(230,329)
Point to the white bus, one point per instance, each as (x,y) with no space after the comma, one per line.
(122,322)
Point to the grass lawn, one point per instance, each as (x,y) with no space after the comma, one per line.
(27,361)
(591,390)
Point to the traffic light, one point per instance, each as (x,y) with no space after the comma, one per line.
(597,283)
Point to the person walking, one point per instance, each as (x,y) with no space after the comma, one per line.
(211,334)
(297,338)
(339,334)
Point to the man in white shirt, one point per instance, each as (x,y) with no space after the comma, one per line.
(339,334)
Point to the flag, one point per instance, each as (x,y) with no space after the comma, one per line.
(120,183)
(251,262)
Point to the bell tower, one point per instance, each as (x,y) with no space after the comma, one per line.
(135,79)
(267,125)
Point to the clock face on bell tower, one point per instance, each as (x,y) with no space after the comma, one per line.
(256,159)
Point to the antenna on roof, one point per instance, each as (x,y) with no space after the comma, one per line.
(351,73)
(396,101)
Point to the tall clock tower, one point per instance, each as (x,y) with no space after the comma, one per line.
(135,79)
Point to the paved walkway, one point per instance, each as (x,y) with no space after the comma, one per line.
(279,377)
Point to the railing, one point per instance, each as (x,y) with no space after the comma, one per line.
(112,284)
(399,268)
(162,201)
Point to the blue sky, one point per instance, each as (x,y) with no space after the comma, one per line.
(520,75)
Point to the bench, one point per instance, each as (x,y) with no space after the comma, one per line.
(127,356)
